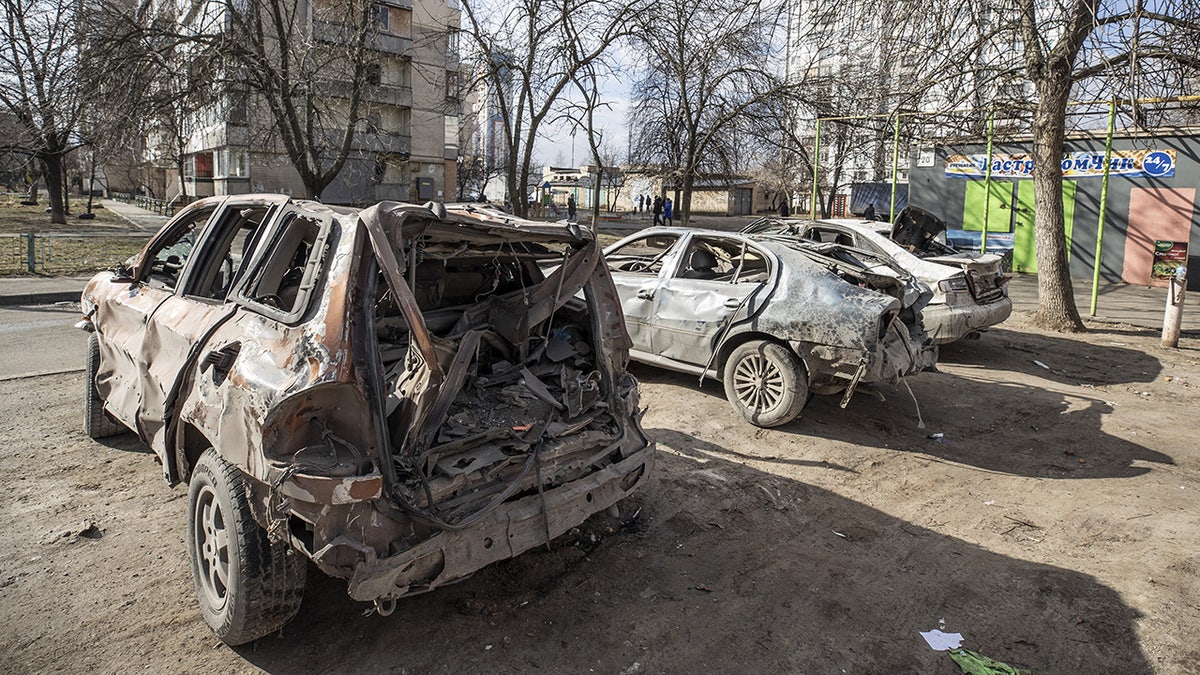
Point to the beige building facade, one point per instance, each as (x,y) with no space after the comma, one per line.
(405,146)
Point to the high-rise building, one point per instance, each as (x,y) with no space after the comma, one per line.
(405,145)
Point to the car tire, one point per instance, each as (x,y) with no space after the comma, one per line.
(247,585)
(766,383)
(97,423)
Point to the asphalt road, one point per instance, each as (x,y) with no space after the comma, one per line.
(40,339)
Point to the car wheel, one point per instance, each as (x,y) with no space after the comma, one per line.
(248,586)
(766,383)
(97,423)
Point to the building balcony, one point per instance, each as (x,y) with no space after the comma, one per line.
(385,94)
(333,33)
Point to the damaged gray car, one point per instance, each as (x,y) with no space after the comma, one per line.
(774,318)
(400,394)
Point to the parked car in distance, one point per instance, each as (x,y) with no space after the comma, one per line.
(970,290)
(399,394)
(773,318)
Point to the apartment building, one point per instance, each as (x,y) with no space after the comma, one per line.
(405,146)
(871,60)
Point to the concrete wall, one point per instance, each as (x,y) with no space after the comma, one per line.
(931,190)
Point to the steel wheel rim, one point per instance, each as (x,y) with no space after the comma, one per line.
(212,547)
(758,383)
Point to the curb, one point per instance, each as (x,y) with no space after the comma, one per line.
(29,376)
(46,298)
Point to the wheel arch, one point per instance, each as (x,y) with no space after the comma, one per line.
(190,444)
(738,339)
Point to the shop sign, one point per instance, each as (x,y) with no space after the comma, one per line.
(1126,163)
(1168,256)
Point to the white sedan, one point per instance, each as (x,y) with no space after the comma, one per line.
(970,291)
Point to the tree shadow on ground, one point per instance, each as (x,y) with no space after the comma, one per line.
(1065,360)
(719,567)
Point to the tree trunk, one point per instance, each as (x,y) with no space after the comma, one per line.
(54,187)
(33,188)
(1056,297)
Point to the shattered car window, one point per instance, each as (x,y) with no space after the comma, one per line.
(235,237)
(165,264)
(723,260)
(642,256)
(289,266)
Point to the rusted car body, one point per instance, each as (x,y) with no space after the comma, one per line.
(774,318)
(970,292)
(405,396)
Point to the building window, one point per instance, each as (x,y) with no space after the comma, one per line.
(451,42)
(204,165)
(453,85)
(381,16)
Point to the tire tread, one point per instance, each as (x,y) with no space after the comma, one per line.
(97,423)
(273,576)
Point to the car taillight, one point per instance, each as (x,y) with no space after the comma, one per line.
(955,284)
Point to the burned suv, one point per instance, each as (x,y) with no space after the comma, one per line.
(400,394)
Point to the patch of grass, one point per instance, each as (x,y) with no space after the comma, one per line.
(67,255)
(17,219)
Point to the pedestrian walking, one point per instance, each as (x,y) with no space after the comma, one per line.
(667,212)
(571,207)
(658,210)
(869,212)
(784,212)
(638,209)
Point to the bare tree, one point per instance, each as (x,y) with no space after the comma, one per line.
(704,65)
(526,55)
(40,85)
(309,63)
(1104,47)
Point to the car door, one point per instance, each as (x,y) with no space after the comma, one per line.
(122,320)
(180,326)
(690,314)
(637,266)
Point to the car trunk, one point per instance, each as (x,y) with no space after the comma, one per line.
(498,381)
(985,277)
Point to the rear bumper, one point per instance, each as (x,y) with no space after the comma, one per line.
(946,323)
(508,531)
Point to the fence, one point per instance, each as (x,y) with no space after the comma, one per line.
(162,207)
(53,253)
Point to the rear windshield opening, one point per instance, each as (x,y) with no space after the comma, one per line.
(541,394)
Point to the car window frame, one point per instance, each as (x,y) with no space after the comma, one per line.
(212,237)
(157,244)
(315,269)
(670,253)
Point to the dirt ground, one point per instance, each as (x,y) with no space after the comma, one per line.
(1054,523)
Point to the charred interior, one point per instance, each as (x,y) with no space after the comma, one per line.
(524,406)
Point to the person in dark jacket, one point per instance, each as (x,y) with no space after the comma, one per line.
(784,211)
(571,207)
(658,210)
(869,212)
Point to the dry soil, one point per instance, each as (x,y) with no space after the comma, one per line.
(1047,512)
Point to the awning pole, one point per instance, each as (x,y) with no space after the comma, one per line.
(1112,119)
(816,163)
(895,167)
(987,183)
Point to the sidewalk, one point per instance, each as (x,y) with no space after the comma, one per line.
(40,290)
(1115,303)
(136,216)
